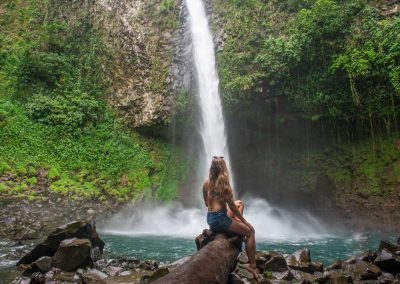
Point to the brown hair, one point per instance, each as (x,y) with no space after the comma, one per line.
(217,184)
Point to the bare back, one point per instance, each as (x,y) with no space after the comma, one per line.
(214,200)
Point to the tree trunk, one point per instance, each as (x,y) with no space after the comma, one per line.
(211,264)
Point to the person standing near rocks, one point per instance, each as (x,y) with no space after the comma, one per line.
(218,196)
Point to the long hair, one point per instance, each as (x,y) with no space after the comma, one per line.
(218,185)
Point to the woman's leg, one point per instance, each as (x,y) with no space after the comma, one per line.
(243,230)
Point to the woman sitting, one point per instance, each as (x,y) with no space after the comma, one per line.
(218,196)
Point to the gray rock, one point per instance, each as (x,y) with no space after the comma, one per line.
(385,278)
(337,264)
(362,270)
(388,261)
(242,258)
(43,264)
(276,264)
(112,270)
(73,254)
(286,275)
(337,277)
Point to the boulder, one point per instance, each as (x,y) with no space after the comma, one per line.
(362,270)
(76,229)
(337,264)
(42,265)
(301,260)
(368,256)
(277,263)
(337,277)
(388,261)
(385,278)
(73,254)
(94,276)
(65,277)
(262,257)
(286,275)
(389,246)
(112,270)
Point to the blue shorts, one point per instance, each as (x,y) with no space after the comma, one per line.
(219,220)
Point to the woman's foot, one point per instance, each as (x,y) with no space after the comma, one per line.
(255,272)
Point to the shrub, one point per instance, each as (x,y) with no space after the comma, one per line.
(72,109)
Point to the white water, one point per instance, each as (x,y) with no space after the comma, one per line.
(174,220)
(212,128)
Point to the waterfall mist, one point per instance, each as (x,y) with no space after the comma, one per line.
(175,220)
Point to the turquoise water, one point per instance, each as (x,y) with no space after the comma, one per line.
(163,248)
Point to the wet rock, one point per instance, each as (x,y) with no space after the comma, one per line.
(387,261)
(38,278)
(69,277)
(43,265)
(389,246)
(157,274)
(244,273)
(362,270)
(277,263)
(76,229)
(148,265)
(368,256)
(286,275)
(337,277)
(385,278)
(301,260)
(303,255)
(262,258)
(235,279)
(337,264)
(73,254)
(94,276)
(112,270)
(300,276)
(96,254)
(242,258)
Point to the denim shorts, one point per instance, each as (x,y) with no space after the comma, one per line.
(219,220)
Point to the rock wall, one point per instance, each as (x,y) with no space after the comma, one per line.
(138,37)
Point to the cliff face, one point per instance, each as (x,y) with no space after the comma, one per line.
(138,37)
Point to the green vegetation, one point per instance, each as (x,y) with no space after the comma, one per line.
(334,61)
(54,115)
(353,168)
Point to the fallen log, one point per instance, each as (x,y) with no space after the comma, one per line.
(211,264)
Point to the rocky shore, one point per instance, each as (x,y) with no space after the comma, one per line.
(73,254)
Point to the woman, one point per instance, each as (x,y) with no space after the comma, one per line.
(218,196)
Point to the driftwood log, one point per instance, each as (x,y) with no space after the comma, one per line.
(215,259)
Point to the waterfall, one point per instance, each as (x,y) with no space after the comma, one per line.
(212,129)
(173,219)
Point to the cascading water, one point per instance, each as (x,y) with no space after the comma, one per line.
(175,220)
(212,128)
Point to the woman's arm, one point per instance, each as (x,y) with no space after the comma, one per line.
(205,195)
